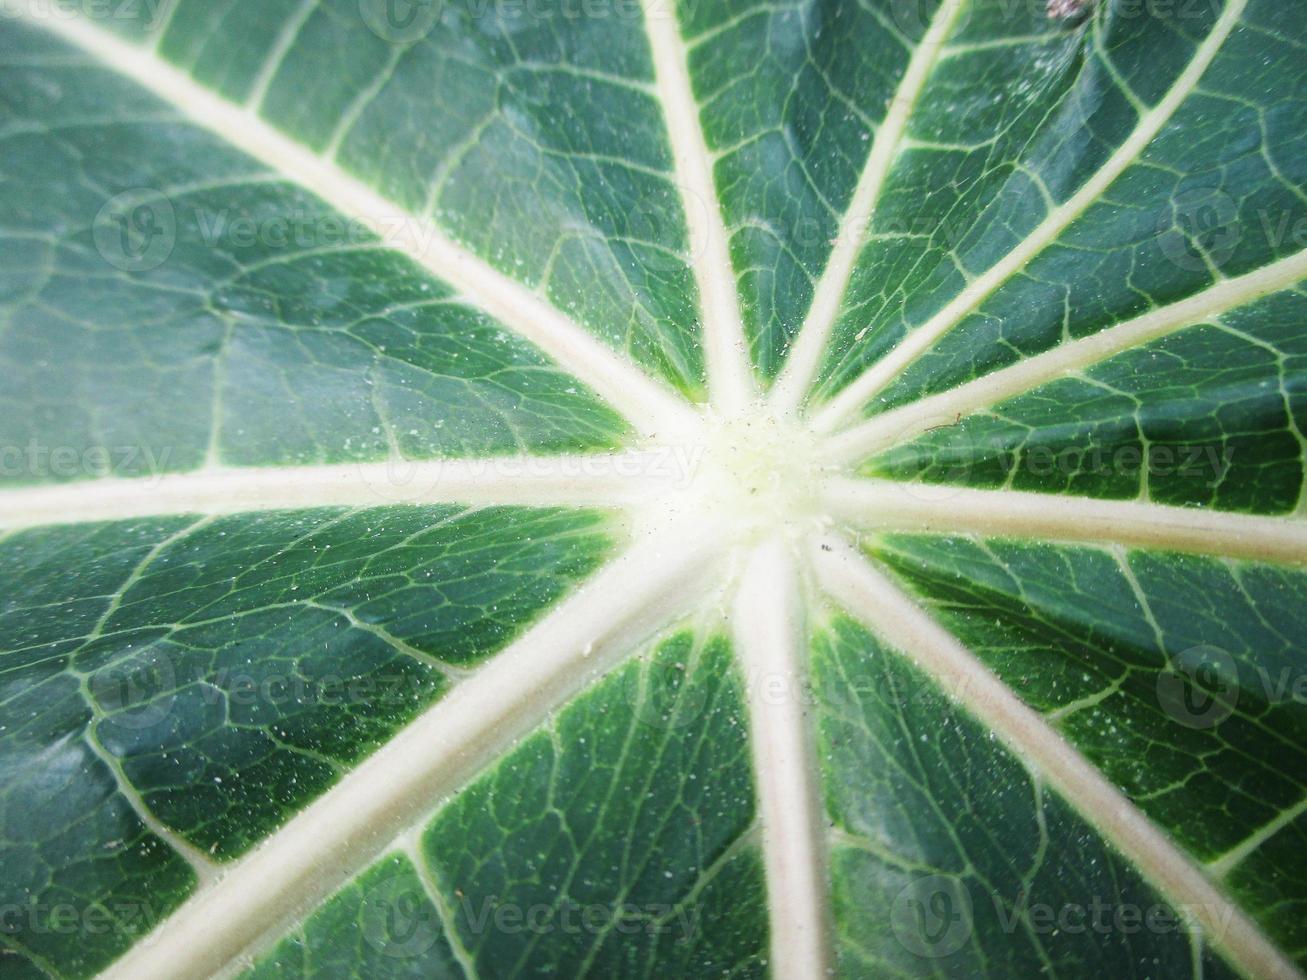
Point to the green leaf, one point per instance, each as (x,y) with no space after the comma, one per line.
(935,822)
(619,489)
(1207,417)
(1176,685)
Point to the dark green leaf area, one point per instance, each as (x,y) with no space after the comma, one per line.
(201,310)
(951,859)
(556,102)
(83,876)
(1211,416)
(618,841)
(1181,677)
(231,669)
(383,925)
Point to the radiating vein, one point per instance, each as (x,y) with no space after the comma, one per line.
(921,339)
(261,895)
(892,506)
(770,640)
(1231,859)
(614,480)
(649,405)
(810,343)
(205,869)
(868,594)
(730,376)
(906,423)
(413,851)
(290,31)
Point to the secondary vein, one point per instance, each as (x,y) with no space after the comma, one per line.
(863,388)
